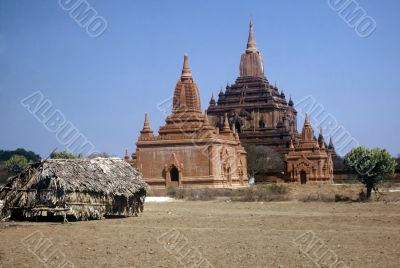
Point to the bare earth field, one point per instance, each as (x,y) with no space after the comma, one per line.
(221,234)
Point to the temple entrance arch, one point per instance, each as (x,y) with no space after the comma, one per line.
(174,176)
(303,177)
(173,172)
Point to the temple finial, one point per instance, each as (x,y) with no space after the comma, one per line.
(307,121)
(146,131)
(251,42)
(126,156)
(212,100)
(146,125)
(331,146)
(291,101)
(226,124)
(186,72)
(307,133)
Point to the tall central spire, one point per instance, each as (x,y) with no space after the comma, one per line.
(251,42)
(251,62)
(186,72)
(186,95)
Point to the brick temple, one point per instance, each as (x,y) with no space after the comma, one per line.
(205,149)
(188,151)
(257,109)
(310,160)
(261,115)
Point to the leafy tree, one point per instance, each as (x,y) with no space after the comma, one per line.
(29,155)
(16,164)
(261,159)
(64,155)
(371,165)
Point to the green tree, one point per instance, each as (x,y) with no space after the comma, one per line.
(16,164)
(64,155)
(29,155)
(371,165)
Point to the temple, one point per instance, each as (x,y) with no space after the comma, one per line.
(188,151)
(259,112)
(205,149)
(310,161)
(257,109)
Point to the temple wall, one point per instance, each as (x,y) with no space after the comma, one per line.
(209,165)
(194,160)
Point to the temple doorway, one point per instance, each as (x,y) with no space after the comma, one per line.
(174,175)
(303,177)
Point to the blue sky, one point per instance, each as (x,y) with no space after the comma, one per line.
(104,85)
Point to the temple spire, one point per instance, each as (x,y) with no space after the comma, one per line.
(146,131)
(251,42)
(226,124)
(212,100)
(307,134)
(331,146)
(291,101)
(186,72)
(321,139)
(307,121)
(251,62)
(126,156)
(146,125)
(186,95)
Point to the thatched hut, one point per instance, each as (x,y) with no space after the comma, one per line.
(80,189)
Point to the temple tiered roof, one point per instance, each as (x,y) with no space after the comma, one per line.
(257,109)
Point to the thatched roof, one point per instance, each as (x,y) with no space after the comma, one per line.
(58,183)
(101,175)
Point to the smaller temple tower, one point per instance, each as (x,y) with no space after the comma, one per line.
(310,161)
(189,151)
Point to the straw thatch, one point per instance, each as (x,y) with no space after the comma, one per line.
(78,188)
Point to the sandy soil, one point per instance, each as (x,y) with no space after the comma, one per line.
(214,234)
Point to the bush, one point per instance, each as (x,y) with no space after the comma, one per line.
(64,155)
(16,164)
(278,188)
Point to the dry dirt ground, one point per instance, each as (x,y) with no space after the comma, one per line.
(215,234)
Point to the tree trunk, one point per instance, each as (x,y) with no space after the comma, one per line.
(369,190)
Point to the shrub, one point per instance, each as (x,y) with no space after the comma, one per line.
(278,188)
(64,155)
(16,164)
